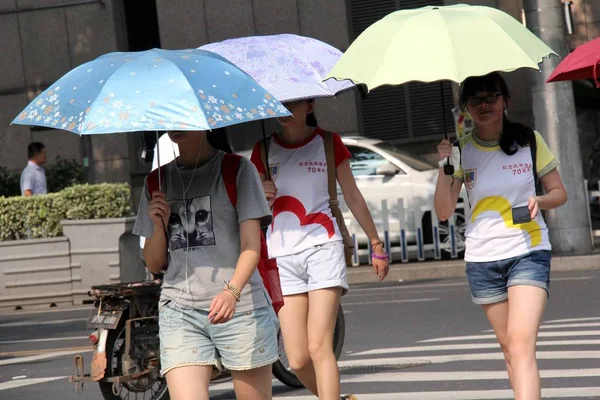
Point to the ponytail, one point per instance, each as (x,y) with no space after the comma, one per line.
(514,133)
(311,120)
(219,139)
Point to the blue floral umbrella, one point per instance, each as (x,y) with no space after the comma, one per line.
(151,90)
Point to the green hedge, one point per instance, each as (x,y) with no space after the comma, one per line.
(40,216)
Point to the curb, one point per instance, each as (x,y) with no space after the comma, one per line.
(425,270)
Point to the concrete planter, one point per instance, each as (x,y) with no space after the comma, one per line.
(35,272)
(95,252)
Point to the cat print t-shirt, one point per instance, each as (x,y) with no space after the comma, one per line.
(204,234)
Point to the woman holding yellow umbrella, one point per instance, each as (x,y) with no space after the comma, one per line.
(507,247)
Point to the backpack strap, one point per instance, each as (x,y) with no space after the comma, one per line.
(229,169)
(267,268)
(457,144)
(533,149)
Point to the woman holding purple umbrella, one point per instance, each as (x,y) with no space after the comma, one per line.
(308,244)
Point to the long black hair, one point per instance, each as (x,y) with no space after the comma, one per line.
(311,119)
(512,132)
(219,139)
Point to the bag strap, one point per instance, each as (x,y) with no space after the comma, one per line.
(229,170)
(330,160)
(264,145)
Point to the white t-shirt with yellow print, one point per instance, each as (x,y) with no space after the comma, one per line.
(497,182)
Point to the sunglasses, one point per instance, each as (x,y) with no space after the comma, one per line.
(488,99)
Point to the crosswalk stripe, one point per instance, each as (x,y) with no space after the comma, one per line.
(573,278)
(228,385)
(28,359)
(492,336)
(554,393)
(473,346)
(26,382)
(56,339)
(36,323)
(369,303)
(407,287)
(579,325)
(464,375)
(541,355)
(564,326)
(557,321)
(410,293)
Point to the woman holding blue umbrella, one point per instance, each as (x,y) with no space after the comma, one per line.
(213,307)
(201,214)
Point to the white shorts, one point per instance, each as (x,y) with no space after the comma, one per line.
(317,267)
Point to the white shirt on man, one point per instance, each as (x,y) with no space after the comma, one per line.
(33,178)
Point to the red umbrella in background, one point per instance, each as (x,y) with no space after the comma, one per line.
(581,63)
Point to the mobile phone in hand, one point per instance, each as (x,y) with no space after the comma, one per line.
(521,215)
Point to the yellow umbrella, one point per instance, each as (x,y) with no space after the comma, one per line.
(439,43)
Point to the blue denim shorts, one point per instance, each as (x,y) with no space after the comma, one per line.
(247,341)
(489,281)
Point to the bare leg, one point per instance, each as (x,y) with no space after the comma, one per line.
(526,307)
(253,384)
(322,313)
(293,318)
(497,314)
(189,383)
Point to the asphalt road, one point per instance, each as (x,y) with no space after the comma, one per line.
(421,341)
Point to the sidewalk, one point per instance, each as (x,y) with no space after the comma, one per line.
(423,270)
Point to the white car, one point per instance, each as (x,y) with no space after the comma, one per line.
(385,171)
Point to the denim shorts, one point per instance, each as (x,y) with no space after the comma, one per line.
(247,341)
(489,281)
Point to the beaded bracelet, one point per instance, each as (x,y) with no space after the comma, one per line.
(233,290)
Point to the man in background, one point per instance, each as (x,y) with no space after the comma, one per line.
(33,178)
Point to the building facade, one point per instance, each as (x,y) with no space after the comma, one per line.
(43,39)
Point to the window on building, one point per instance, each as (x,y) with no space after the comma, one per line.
(409,112)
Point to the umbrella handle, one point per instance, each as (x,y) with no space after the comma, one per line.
(448,168)
(158,161)
(266,147)
(596,74)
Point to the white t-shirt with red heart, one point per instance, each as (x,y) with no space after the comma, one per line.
(301,214)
